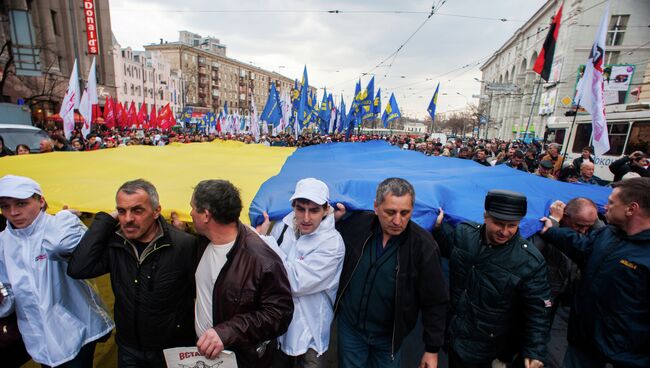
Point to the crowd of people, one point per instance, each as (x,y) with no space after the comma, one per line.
(536,157)
(271,293)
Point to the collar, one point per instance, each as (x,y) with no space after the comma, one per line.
(30,229)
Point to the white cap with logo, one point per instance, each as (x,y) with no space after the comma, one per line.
(18,187)
(313,190)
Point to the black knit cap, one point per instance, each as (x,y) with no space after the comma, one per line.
(505,205)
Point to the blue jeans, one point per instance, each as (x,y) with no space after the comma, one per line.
(84,358)
(360,349)
(130,357)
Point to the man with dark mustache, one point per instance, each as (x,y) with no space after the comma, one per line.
(152,268)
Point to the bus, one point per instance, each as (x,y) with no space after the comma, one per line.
(628,127)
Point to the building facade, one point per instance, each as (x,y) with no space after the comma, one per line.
(509,85)
(144,77)
(210,80)
(43,38)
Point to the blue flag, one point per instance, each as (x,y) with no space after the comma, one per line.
(186,116)
(342,116)
(392,111)
(432,105)
(377,104)
(272,112)
(304,105)
(225,109)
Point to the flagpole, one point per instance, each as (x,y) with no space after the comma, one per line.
(532,107)
(566,146)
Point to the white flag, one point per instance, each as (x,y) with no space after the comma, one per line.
(70,102)
(590,89)
(332,120)
(255,123)
(89,100)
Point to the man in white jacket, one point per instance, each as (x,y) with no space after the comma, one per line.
(312,252)
(60,319)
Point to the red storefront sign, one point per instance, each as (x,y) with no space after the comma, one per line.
(91,27)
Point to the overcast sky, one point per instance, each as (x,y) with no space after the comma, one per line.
(285,35)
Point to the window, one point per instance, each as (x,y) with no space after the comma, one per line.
(26,55)
(616,30)
(639,137)
(582,138)
(617,136)
(611,57)
(55,26)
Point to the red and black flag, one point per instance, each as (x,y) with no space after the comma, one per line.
(545,59)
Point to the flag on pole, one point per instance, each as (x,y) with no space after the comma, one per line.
(392,111)
(434,102)
(132,116)
(376,104)
(255,123)
(142,116)
(272,112)
(342,116)
(109,113)
(153,119)
(304,106)
(89,100)
(70,102)
(544,60)
(590,89)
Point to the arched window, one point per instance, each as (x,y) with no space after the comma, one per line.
(532,60)
(126,90)
(524,65)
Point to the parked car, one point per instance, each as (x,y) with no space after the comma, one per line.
(15,134)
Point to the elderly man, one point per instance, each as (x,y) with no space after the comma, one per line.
(391,273)
(151,265)
(553,155)
(46,145)
(500,296)
(60,319)
(587,174)
(312,252)
(609,315)
(243,295)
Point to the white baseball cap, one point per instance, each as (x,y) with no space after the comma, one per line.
(313,190)
(18,187)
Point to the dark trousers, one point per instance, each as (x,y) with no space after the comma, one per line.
(130,357)
(579,358)
(84,358)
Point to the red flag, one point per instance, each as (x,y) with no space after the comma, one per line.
(119,109)
(124,116)
(166,118)
(544,61)
(153,120)
(132,116)
(109,113)
(142,116)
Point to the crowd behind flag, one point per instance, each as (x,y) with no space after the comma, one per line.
(297,108)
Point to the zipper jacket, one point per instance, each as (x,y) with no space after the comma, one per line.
(154,291)
(420,286)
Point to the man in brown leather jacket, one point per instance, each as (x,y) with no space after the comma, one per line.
(243,295)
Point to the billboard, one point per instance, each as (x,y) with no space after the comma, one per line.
(618,79)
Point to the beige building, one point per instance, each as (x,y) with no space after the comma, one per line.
(209,79)
(44,38)
(145,78)
(509,69)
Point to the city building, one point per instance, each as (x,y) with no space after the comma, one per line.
(509,84)
(210,80)
(44,38)
(145,78)
(209,44)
